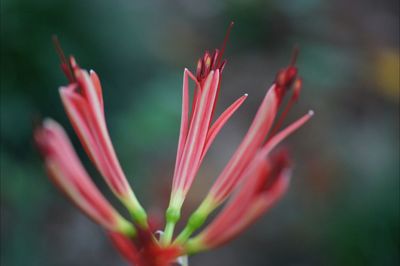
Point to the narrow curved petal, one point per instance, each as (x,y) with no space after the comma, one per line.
(280,136)
(68,174)
(97,85)
(184,119)
(196,137)
(265,183)
(83,103)
(220,122)
(255,136)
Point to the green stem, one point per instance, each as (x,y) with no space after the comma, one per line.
(194,245)
(126,228)
(136,210)
(184,235)
(172,216)
(196,220)
(168,234)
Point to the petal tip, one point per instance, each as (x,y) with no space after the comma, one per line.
(48,123)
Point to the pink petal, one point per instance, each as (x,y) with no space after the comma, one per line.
(276,139)
(81,120)
(253,199)
(197,134)
(184,119)
(97,85)
(85,111)
(256,134)
(220,122)
(70,177)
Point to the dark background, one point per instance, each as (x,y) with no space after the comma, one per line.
(343,205)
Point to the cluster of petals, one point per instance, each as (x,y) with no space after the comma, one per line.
(255,177)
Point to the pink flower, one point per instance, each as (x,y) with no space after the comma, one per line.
(233,173)
(83,101)
(253,179)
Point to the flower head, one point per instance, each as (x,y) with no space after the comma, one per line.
(254,178)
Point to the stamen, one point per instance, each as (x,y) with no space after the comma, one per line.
(207,63)
(203,72)
(293,99)
(65,64)
(214,59)
(222,50)
(199,68)
(298,84)
(280,79)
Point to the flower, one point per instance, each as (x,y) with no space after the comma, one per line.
(83,102)
(253,180)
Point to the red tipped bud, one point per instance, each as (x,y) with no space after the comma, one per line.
(212,61)
(286,77)
(199,68)
(298,84)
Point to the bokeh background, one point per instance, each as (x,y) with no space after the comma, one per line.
(343,204)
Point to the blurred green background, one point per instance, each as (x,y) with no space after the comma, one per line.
(343,205)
